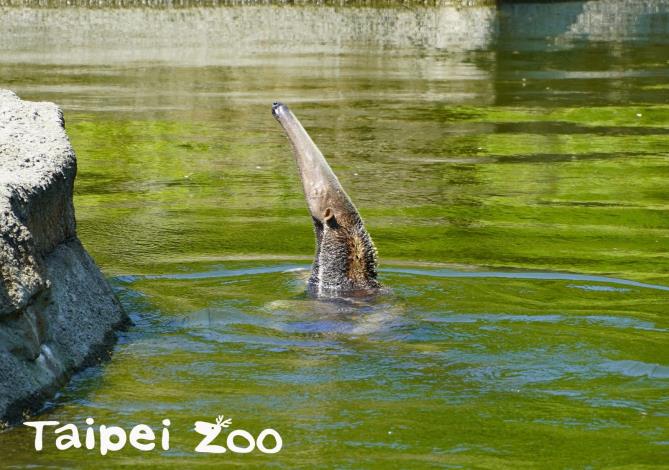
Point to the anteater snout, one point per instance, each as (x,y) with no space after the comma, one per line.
(277,108)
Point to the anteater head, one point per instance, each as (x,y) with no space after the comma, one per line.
(345,262)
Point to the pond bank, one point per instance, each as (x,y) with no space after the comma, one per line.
(57,311)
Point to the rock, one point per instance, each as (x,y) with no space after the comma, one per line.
(57,311)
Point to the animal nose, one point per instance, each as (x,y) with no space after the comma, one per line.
(276,106)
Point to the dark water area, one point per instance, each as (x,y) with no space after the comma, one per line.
(511,162)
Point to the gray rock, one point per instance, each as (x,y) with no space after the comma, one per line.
(57,311)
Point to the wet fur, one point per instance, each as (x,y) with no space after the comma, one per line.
(345,258)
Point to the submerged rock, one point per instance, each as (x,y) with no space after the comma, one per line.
(57,312)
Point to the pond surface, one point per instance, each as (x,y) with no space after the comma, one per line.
(511,164)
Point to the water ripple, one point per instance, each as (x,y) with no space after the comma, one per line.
(534,275)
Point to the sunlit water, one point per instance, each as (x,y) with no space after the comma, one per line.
(512,168)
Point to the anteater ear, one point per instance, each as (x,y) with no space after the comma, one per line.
(328,216)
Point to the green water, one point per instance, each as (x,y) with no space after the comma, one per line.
(515,179)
